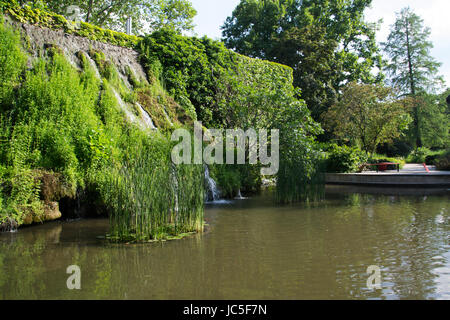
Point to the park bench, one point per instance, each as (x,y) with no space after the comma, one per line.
(382,166)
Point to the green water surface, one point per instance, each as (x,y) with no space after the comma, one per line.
(252,249)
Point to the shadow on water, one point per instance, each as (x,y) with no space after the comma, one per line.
(254,249)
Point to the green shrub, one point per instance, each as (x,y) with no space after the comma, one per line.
(12,63)
(418,156)
(195,70)
(342,159)
(431,159)
(27,14)
(443,162)
(377,158)
(228,179)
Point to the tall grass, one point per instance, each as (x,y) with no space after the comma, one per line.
(298,182)
(152,199)
(301,174)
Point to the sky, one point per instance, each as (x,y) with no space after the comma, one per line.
(212,14)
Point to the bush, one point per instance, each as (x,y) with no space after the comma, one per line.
(443,162)
(197,71)
(431,159)
(396,149)
(228,179)
(418,155)
(12,63)
(376,158)
(342,159)
(51,20)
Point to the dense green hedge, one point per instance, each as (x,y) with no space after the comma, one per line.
(342,159)
(197,70)
(50,20)
(443,162)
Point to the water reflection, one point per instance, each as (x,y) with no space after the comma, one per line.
(252,250)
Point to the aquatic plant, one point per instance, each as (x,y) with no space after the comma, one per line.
(152,199)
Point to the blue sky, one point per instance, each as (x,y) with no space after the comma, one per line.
(212,14)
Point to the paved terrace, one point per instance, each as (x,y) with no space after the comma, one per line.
(412,175)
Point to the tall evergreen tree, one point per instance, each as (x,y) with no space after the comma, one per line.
(412,70)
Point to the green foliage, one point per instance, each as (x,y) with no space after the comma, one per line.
(327,43)
(443,162)
(433,115)
(197,72)
(425,155)
(12,64)
(300,174)
(342,159)
(147,15)
(154,204)
(72,124)
(367,115)
(431,158)
(316,70)
(228,179)
(411,68)
(51,20)
(66,123)
(229,90)
(19,189)
(418,155)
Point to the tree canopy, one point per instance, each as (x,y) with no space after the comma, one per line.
(327,43)
(367,115)
(147,15)
(411,68)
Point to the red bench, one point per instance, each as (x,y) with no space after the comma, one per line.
(383,165)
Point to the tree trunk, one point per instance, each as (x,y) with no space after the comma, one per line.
(413,89)
(89,11)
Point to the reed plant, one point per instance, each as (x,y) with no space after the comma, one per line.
(151,199)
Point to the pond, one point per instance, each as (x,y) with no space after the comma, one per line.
(252,249)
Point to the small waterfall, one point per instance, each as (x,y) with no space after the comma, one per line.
(93,65)
(71,58)
(239,196)
(131,117)
(148,122)
(212,192)
(167,117)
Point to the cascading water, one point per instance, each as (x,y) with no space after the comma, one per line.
(167,117)
(239,196)
(93,65)
(147,119)
(212,192)
(131,117)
